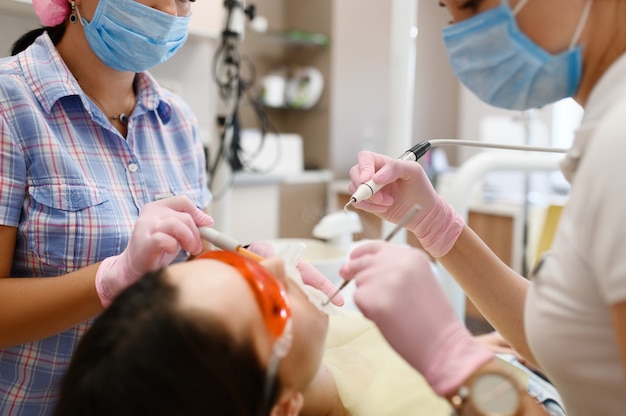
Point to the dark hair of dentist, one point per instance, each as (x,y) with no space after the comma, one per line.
(569,318)
(103,179)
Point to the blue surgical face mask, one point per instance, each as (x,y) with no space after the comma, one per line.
(504,68)
(129,36)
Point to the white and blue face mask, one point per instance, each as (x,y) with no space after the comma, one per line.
(504,68)
(130,36)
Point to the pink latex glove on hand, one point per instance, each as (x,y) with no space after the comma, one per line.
(310,275)
(396,288)
(313,277)
(162,229)
(437,225)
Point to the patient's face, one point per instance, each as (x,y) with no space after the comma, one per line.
(217,288)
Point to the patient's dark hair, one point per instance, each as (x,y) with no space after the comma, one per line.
(55,33)
(145,356)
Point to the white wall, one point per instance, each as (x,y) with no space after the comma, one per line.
(360,72)
(12,26)
(436,88)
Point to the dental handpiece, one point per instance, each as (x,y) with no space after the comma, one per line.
(369,188)
(226,243)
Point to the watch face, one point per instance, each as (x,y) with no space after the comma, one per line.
(494,394)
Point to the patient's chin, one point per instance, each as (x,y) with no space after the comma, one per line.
(317,298)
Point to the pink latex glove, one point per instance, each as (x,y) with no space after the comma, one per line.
(396,288)
(162,229)
(310,275)
(51,12)
(437,225)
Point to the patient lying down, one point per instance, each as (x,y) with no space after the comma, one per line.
(198,338)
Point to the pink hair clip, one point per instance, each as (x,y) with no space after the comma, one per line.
(51,12)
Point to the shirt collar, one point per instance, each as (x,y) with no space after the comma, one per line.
(609,90)
(50,80)
(150,96)
(46,74)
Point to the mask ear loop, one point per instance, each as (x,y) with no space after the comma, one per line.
(279,351)
(581,24)
(518,7)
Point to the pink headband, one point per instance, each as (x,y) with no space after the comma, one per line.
(51,12)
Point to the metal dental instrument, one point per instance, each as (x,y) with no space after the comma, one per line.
(369,188)
(404,221)
(226,243)
(331,297)
(407,217)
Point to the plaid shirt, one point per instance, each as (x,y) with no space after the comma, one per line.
(73,187)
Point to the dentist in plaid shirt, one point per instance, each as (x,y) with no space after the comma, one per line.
(103,179)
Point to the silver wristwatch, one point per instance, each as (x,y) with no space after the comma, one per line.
(489,393)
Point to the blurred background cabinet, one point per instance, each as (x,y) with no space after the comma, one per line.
(275,50)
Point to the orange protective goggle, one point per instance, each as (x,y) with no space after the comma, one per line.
(269,292)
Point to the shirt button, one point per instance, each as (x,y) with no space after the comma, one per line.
(133,167)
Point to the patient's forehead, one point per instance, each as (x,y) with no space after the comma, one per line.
(212,287)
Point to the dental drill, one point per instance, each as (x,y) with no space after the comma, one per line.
(226,243)
(369,188)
